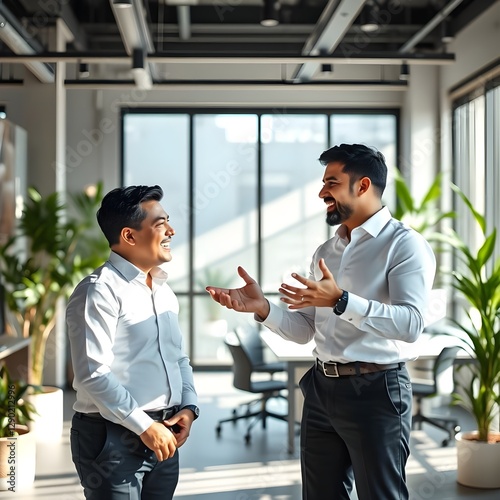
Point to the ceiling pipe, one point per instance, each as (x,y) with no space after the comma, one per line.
(184,21)
(15,37)
(334,22)
(435,21)
(134,31)
(358,85)
(393,58)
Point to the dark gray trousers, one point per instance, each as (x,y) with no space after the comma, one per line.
(114,464)
(355,427)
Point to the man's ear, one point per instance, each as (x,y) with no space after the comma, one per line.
(127,236)
(364,185)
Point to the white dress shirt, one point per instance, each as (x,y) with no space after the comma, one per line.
(126,345)
(388,270)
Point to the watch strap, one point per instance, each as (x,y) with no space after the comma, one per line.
(341,305)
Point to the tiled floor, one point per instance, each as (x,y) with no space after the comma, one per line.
(226,469)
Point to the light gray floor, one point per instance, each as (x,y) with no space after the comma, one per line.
(226,469)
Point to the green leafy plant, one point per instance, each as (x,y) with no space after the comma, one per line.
(14,409)
(50,253)
(478,281)
(425,215)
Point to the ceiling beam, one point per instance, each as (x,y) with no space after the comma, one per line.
(358,85)
(376,58)
(333,24)
(15,37)
(435,21)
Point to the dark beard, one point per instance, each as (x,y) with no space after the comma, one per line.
(339,215)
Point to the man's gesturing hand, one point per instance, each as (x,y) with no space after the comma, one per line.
(322,293)
(248,298)
(159,439)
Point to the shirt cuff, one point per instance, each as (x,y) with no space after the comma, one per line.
(189,401)
(274,318)
(137,421)
(356,310)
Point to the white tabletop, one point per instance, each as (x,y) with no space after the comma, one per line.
(428,345)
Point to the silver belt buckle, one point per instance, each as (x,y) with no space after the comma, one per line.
(331,370)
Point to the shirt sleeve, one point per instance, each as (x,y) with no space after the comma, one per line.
(410,277)
(91,317)
(295,326)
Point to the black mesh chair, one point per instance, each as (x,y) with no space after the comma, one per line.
(243,369)
(440,385)
(250,340)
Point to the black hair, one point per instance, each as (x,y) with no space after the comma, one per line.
(121,208)
(359,161)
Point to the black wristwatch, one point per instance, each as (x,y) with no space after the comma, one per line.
(194,409)
(341,304)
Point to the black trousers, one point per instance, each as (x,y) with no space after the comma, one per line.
(114,464)
(355,428)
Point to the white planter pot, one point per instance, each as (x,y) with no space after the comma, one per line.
(17,460)
(477,461)
(48,424)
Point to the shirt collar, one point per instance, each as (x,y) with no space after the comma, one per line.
(131,272)
(372,226)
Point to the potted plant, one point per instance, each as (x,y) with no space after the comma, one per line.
(50,253)
(17,444)
(424,216)
(478,281)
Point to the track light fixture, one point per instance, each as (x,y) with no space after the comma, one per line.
(404,72)
(325,67)
(3,112)
(368,19)
(446,32)
(142,76)
(83,70)
(271,13)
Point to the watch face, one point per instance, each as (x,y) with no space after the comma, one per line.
(341,304)
(194,409)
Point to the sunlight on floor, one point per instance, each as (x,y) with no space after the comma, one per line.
(239,477)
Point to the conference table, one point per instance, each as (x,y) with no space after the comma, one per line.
(299,356)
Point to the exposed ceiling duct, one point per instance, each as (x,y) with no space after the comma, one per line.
(335,21)
(15,37)
(131,21)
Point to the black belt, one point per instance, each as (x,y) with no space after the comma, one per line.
(331,369)
(157,415)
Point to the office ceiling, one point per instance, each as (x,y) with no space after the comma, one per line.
(190,41)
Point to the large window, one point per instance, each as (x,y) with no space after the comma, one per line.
(241,189)
(476,158)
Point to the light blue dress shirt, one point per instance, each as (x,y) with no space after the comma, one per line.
(126,345)
(388,270)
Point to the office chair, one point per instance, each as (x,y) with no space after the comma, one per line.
(242,379)
(251,342)
(441,384)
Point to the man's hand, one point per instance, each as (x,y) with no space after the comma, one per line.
(161,440)
(180,425)
(248,298)
(322,293)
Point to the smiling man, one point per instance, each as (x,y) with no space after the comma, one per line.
(135,398)
(363,304)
